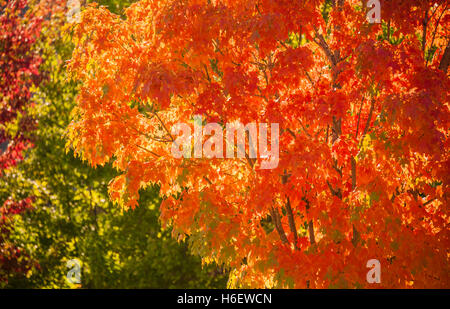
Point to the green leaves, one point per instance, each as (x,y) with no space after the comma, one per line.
(72,216)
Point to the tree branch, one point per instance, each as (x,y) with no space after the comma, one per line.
(353,173)
(424,32)
(323,44)
(359,117)
(289,212)
(290,216)
(312,238)
(355,236)
(366,128)
(445,61)
(279,227)
(336,129)
(435,29)
(337,193)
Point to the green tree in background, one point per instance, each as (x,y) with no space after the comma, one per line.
(72,217)
(115,6)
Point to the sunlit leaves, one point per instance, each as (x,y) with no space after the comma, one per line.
(363,113)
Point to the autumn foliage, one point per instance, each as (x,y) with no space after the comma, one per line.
(363,111)
(19,64)
(12,259)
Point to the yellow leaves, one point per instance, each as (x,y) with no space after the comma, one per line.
(233,280)
(366,142)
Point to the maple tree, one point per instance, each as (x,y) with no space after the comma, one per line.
(363,112)
(19,63)
(71,216)
(12,258)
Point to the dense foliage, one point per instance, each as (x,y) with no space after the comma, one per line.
(363,111)
(69,216)
(19,64)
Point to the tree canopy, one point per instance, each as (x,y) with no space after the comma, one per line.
(363,110)
(56,208)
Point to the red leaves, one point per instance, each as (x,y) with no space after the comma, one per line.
(363,132)
(19,72)
(292,66)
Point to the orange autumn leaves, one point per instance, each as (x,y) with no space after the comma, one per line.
(364,117)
